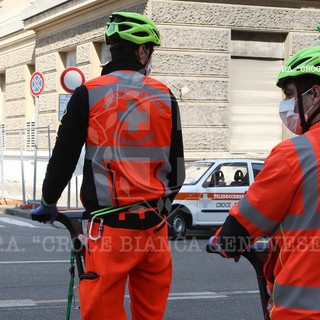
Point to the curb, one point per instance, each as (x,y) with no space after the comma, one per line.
(26,213)
(23,213)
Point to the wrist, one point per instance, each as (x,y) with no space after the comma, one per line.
(47,205)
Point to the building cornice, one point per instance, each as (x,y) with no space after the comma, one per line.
(18,40)
(38,18)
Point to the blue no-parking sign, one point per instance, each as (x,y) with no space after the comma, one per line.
(36,83)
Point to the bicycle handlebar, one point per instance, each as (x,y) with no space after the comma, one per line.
(73,222)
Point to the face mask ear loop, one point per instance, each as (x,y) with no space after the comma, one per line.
(150,52)
(305,126)
(313,116)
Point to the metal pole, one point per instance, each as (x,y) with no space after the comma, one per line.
(2,163)
(22,169)
(35,150)
(77,203)
(69,195)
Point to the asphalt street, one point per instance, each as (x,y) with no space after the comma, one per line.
(34,279)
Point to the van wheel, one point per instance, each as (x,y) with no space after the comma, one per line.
(177,224)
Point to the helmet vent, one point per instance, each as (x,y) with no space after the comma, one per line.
(135,21)
(141,34)
(298,62)
(119,18)
(123,27)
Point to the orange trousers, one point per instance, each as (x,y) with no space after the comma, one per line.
(142,257)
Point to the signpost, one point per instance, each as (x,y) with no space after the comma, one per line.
(36,86)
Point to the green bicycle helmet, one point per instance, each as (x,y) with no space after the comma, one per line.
(304,62)
(133,27)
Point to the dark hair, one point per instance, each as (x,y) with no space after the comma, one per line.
(123,50)
(126,50)
(307,81)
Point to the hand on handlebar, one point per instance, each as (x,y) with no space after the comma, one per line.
(44,214)
(213,246)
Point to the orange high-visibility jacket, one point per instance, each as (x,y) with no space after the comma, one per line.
(284,202)
(129,138)
(131,127)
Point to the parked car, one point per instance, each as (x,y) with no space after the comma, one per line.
(210,189)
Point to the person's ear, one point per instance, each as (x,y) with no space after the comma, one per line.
(316,94)
(141,51)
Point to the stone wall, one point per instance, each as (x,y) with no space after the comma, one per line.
(194,60)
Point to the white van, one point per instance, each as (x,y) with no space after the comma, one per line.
(210,189)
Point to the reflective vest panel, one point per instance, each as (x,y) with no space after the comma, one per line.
(129,137)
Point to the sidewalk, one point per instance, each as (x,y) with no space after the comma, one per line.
(15,211)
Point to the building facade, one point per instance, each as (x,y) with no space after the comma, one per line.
(220,58)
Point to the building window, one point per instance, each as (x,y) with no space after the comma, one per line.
(69,58)
(256,59)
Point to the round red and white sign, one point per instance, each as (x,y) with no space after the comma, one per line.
(36,83)
(71,78)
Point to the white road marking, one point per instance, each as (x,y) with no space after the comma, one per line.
(195,295)
(172,296)
(28,303)
(205,295)
(17,303)
(240,292)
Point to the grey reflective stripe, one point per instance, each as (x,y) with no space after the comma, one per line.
(308,162)
(255,217)
(134,81)
(100,92)
(301,222)
(162,176)
(127,80)
(296,297)
(309,167)
(127,153)
(102,184)
(310,217)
